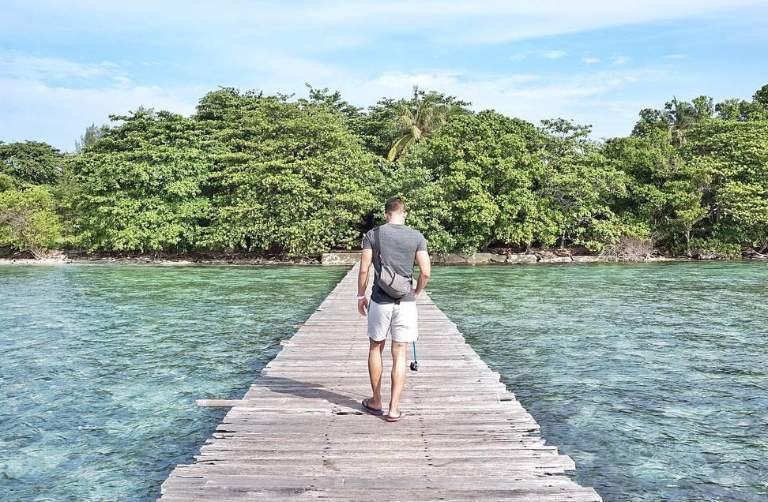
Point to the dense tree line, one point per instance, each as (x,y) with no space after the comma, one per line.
(250,172)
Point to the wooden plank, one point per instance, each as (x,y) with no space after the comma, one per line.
(222,403)
(299,431)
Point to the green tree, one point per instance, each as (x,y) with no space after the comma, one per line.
(275,174)
(703,108)
(651,121)
(746,205)
(475,177)
(31,162)
(139,188)
(417,119)
(397,123)
(678,117)
(736,154)
(89,137)
(665,192)
(427,205)
(287,177)
(644,160)
(684,191)
(761,96)
(733,109)
(6,182)
(579,186)
(28,222)
(334,101)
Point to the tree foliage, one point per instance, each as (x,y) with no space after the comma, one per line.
(139,187)
(285,176)
(90,136)
(392,125)
(250,172)
(31,162)
(28,221)
(580,187)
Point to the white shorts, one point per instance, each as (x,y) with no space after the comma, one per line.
(401,320)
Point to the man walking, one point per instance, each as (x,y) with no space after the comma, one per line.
(393,246)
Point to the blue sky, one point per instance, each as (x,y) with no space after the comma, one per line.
(65,65)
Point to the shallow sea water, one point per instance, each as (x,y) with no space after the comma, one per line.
(652,377)
(100,367)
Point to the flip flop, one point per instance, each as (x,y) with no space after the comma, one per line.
(371,409)
(390,418)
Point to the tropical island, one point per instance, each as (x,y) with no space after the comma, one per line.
(257,175)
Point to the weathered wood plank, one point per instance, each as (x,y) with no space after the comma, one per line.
(299,431)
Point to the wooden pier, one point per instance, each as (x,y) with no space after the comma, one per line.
(299,432)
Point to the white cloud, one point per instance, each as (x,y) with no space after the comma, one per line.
(554,54)
(620,60)
(345,23)
(58,115)
(37,109)
(675,56)
(16,65)
(526,96)
(546,54)
(38,101)
(278,45)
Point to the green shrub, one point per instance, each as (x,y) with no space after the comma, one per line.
(28,221)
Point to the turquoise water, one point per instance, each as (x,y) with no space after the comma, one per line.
(652,377)
(100,367)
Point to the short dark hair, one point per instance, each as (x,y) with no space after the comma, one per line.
(394,204)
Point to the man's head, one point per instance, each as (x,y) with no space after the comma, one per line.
(394,210)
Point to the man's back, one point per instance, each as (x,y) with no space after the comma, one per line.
(398,245)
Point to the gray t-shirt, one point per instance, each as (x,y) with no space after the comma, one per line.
(399,244)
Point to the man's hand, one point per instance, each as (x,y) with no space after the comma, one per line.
(425,270)
(362,280)
(362,306)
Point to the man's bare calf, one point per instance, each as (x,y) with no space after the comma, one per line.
(375,351)
(399,353)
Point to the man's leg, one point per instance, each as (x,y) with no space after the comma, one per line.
(399,353)
(378,325)
(405,330)
(374,371)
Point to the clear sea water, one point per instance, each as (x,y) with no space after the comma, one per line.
(652,377)
(100,367)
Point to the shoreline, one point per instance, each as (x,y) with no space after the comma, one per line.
(181,262)
(350,257)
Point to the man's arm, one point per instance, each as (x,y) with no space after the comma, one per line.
(425,270)
(362,280)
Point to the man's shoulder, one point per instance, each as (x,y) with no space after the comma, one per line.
(396,231)
(372,233)
(408,229)
(416,233)
(368,239)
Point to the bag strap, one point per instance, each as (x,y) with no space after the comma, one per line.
(377,233)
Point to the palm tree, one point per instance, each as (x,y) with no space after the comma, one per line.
(682,115)
(416,119)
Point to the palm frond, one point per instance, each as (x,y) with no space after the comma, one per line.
(398,146)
